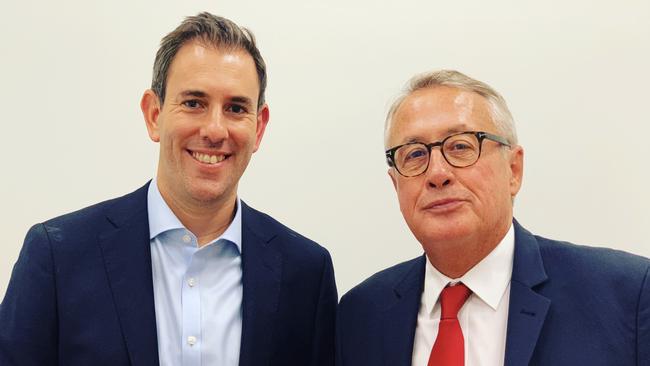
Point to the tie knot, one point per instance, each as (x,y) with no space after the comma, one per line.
(452,299)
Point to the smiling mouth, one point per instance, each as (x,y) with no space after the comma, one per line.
(208,158)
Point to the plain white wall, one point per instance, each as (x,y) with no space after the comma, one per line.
(575,74)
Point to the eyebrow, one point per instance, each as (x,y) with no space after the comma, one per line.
(413,139)
(243,100)
(193,93)
(450,131)
(201,94)
(458,128)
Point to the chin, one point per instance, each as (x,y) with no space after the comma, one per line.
(206,192)
(441,231)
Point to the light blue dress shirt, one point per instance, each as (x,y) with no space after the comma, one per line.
(197,291)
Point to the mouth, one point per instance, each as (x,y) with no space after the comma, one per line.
(444,204)
(210,159)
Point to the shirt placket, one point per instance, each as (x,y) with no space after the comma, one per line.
(191,308)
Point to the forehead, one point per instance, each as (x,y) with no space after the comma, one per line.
(432,113)
(204,67)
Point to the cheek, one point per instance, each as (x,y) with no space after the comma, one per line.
(168,142)
(495,193)
(408,194)
(484,184)
(176,137)
(244,136)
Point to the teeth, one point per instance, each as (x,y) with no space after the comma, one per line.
(208,159)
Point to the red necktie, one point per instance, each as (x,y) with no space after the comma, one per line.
(449,348)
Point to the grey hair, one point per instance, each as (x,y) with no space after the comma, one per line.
(213,31)
(499,111)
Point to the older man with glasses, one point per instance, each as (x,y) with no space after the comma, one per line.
(486,291)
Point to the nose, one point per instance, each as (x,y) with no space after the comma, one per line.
(438,173)
(215,129)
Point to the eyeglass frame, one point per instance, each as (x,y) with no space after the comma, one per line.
(480,136)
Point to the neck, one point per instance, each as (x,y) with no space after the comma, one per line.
(454,258)
(206,220)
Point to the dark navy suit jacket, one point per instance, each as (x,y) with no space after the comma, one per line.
(81,292)
(569,305)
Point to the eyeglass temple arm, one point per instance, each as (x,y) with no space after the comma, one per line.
(496,138)
(389,158)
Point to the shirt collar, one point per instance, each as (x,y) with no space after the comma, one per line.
(162,218)
(488,279)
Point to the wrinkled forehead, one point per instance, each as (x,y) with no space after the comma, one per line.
(430,114)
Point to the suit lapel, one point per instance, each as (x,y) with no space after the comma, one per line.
(400,318)
(127,259)
(262,270)
(528,309)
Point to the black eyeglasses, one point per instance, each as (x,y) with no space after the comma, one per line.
(460,150)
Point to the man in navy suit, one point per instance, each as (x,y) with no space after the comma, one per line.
(486,291)
(181,271)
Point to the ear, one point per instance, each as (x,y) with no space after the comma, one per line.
(150,106)
(262,120)
(516,169)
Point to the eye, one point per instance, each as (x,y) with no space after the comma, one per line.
(192,104)
(236,108)
(459,146)
(418,153)
(408,153)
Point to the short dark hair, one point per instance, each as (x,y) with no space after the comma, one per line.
(213,31)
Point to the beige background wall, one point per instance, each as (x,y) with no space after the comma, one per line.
(575,74)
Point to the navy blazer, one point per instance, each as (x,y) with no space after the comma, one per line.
(569,305)
(81,292)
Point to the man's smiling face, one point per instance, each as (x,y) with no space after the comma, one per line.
(209,124)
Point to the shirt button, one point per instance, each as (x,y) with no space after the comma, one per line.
(191,340)
(191,282)
(187,238)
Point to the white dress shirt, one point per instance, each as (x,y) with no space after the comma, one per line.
(197,291)
(483,318)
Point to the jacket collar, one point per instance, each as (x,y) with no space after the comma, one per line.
(528,309)
(127,260)
(262,272)
(400,314)
(125,246)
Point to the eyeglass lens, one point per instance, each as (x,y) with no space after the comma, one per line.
(459,150)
